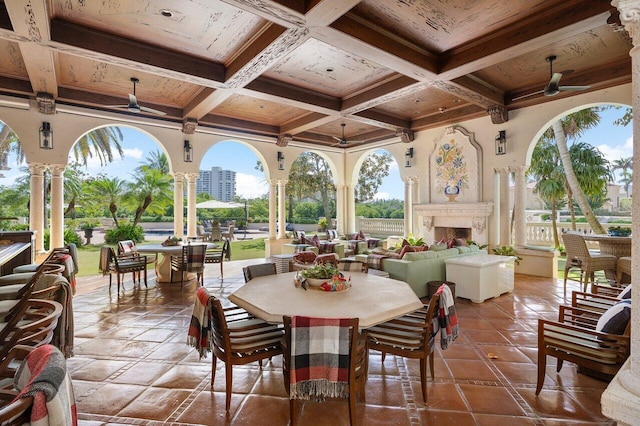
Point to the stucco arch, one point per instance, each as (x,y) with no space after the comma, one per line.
(558,116)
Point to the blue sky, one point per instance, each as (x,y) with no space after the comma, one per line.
(615,142)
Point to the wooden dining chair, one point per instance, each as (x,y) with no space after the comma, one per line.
(191,260)
(240,338)
(579,256)
(258,270)
(318,371)
(111,263)
(410,336)
(219,255)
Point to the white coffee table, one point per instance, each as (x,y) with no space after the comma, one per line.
(481,277)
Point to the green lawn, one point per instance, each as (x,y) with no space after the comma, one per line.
(89,255)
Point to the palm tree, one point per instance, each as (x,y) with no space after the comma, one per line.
(152,187)
(624,164)
(110,191)
(591,168)
(546,168)
(573,126)
(100,143)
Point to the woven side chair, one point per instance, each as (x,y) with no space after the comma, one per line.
(578,256)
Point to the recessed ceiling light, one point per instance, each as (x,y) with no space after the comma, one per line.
(417,101)
(329,69)
(442,109)
(166,13)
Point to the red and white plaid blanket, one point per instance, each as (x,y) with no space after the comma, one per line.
(199,334)
(447,316)
(43,375)
(319,358)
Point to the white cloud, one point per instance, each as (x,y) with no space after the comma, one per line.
(135,153)
(250,186)
(617,152)
(381,196)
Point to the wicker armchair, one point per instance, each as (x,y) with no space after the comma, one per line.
(623,267)
(578,256)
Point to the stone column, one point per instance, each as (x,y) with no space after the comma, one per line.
(350,204)
(494,237)
(520,222)
(621,400)
(505,218)
(56,231)
(178,204)
(282,209)
(36,204)
(191,204)
(408,204)
(340,208)
(273,193)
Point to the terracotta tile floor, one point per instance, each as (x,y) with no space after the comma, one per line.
(132,366)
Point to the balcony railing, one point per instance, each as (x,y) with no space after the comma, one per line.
(538,233)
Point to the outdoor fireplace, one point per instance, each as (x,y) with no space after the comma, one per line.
(460,220)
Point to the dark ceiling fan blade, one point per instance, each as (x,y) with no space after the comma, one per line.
(527,95)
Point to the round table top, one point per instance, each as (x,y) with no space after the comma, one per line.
(372,299)
(159,248)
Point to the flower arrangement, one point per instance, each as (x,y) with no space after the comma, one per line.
(325,271)
(451,169)
(171,241)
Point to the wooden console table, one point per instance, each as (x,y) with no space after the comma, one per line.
(19,252)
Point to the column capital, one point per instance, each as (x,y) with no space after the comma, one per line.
(501,170)
(37,169)
(57,170)
(191,177)
(178,175)
(518,169)
(341,186)
(282,181)
(629,16)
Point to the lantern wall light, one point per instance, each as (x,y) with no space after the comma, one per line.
(46,136)
(188,152)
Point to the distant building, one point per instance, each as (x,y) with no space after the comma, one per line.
(220,184)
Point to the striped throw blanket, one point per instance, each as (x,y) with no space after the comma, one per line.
(447,316)
(375,260)
(43,375)
(199,334)
(319,358)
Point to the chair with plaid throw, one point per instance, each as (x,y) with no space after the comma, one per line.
(410,336)
(323,358)
(191,260)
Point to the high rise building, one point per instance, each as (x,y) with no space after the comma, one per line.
(220,184)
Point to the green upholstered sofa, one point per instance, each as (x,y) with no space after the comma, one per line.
(418,268)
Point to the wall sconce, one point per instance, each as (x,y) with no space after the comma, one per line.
(408,157)
(501,142)
(46,136)
(280,160)
(188,152)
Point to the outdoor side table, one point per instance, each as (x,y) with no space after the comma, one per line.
(481,277)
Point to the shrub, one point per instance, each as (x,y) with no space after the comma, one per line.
(70,236)
(124,232)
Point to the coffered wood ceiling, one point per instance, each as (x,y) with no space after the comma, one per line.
(302,68)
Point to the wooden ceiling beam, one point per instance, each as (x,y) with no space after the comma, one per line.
(471,90)
(450,116)
(379,119)
(284,13)
(307,122)
(245,126)
(350,34)
(272,90)
(33,23)
(390,90)
(15,86)
(205,101)
(325,12)
(559,23)
(96,45)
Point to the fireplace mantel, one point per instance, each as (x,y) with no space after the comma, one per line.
(473,216)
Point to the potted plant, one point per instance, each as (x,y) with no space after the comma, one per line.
(323,224)
(88,226)
(171,241)
(507,251)
(619,231)
(317,274)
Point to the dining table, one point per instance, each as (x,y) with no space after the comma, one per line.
(616,246)
(163,263)
(372,299)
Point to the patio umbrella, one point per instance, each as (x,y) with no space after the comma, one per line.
(215,204)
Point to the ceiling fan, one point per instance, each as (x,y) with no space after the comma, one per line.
(133,105)
(343,140)
(553,88)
